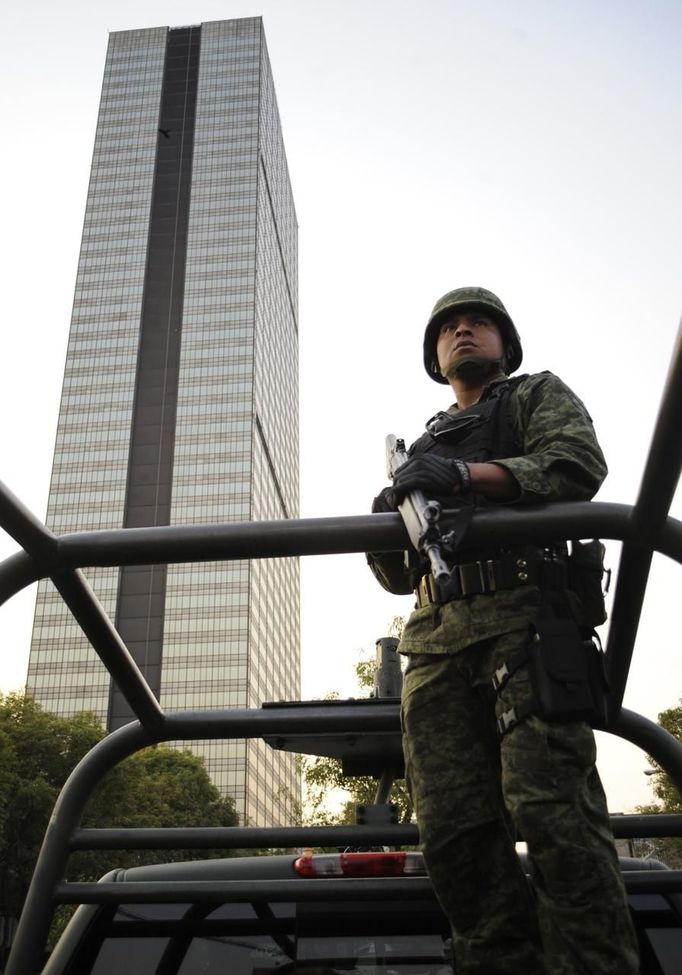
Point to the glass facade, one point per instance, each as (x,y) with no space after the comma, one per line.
(230,631)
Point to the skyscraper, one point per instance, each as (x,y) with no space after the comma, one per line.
(180,396)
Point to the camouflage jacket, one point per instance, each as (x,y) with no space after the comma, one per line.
(560,460)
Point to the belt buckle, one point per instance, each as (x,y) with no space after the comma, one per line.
(477,577)
(470,578)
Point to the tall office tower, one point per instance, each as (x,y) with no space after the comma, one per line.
(180,398)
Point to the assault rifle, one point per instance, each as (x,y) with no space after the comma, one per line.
(421,516)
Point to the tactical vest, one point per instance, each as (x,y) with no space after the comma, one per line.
(487,431)
(482,432)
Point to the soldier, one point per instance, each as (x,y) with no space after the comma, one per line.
(506,440)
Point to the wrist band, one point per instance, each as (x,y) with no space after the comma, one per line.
(464,475)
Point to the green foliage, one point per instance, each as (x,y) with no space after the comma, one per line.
(324,780)
(159,786)
(668,799)
(396,627)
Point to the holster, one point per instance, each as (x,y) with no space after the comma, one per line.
(567,672)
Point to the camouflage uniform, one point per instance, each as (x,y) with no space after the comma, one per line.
(471,791)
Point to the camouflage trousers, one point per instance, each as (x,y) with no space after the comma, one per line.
(472,792)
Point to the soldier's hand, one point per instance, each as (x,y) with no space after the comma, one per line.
(432,474)
(383,503)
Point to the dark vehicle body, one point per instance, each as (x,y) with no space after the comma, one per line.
(257,915)
(384,926)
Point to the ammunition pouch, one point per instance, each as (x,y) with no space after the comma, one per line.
(508,570)
(567,675)
(585,574)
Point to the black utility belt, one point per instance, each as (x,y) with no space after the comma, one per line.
(485,575)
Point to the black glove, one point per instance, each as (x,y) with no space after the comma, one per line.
(383,504)
(431,474)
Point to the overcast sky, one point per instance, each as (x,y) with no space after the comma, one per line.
(531,147)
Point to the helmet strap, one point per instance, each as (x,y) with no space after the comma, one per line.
(474,368)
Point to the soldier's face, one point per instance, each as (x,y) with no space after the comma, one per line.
(465,335)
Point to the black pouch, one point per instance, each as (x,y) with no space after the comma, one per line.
(585,576)
(567,673)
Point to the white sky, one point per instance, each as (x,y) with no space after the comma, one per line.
(531,147)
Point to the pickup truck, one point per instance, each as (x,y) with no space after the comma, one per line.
(369,906)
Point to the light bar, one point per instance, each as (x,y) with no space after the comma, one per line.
(360,865)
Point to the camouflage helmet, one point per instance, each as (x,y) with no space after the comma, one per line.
(464,299)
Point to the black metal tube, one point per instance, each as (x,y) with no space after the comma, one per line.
(326,536)
(383,793)
(649,825)
(285,837)
(271,721)
(664,460)
(23,525)
(244,837)
(633,575)
(100,631)
(653,882)
(669,541)
(657,489)
(37,913)
(235,540)
(36,916)
(230,891)
(261,540)
(16,572)
(323,536)
(652,739)
(368,889)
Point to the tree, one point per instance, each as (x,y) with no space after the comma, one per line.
(324,779)
(668,799)
(159,786)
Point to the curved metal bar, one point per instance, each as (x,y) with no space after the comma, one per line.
(669,541)
(34,923)
(652,739)
(51,865)
(23,525)
(641,528)
(16,572)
